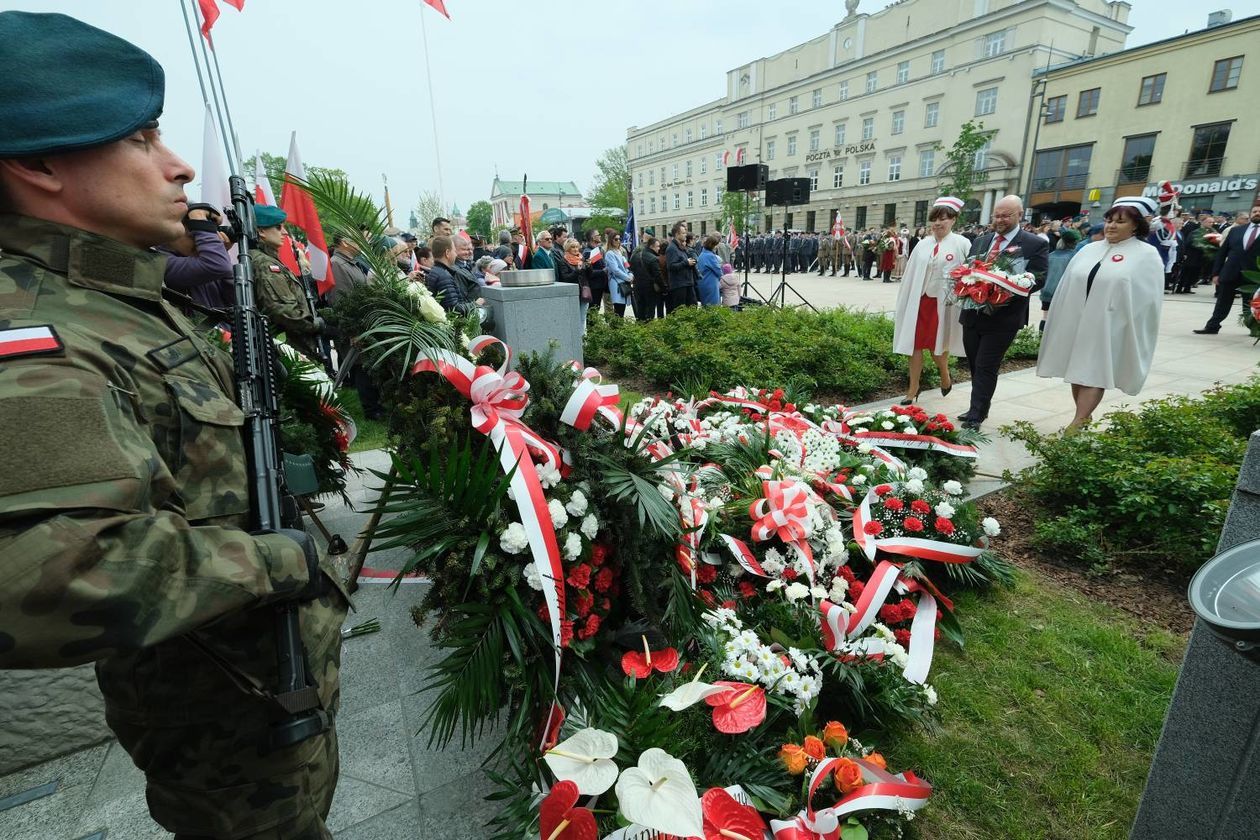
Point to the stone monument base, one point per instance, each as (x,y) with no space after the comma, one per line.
(529,319)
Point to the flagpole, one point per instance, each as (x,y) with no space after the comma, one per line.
(428,75)
(389,210)
(233,161)
(218,74)
(192,47)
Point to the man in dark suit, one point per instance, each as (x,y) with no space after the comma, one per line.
(987,337)
(1237,254)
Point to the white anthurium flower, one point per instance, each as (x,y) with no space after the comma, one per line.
(689,694)
(953,488)
(991,526)
(660,794)
(586,759)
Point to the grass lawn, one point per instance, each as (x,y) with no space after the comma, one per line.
(372,433)
(1049,717)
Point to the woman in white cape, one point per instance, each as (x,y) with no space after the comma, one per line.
(1104,319)
(924,319)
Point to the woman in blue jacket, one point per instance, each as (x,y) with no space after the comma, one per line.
(710,267)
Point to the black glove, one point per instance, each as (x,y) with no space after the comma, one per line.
(318,584)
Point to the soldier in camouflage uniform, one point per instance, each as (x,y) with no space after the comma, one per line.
(122,506)
(280,295)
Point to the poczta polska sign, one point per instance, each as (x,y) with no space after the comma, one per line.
(839,151)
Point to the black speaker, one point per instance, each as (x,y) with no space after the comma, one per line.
(750,177)
(787,192)
(798,191)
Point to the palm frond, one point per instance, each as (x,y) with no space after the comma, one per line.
(397,331)
(625,485)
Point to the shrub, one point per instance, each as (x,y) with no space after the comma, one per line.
(1027,344)
(1150,489)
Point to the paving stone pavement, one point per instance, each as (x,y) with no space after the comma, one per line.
(392,784)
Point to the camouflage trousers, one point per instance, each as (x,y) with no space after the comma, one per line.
(215,781)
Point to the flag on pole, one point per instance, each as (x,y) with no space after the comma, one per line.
(262,184)
(210,13)
(214,179)
(837,227)
(300,207)
(440,5)
(630,237)
(732,238)
(527,225)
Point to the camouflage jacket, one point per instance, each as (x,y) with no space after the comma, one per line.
(280,297)
(123,489)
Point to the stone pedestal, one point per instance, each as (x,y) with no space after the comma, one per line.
(1205,777)
(530,318)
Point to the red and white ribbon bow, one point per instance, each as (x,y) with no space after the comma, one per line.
(783,512)
(883,791)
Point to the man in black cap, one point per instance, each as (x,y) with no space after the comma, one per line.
(125,494)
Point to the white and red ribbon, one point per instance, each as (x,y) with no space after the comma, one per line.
(903,440)
(783,512)
(916,547)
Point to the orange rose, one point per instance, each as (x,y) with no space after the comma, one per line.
(835,734)
(878,760)
(815,748)
(848,775)
(793,758)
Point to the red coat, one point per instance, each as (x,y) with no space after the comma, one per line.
(888,259)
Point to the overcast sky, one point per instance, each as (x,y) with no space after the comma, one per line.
(524,85)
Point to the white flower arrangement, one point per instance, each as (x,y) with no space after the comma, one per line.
(746,658)
(559,518)
(577,503)
(513,539)
(572,547)
(945,510)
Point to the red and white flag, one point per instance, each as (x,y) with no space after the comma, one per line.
(210,14)
(262,184)
(300,207)
(837,227)
(596,255)
(28,341)
(214,179)
(440,5)
(732,238)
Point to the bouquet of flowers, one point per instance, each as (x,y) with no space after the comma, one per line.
(1208,242)
(989,286)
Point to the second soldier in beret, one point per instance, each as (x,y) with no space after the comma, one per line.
(279,294)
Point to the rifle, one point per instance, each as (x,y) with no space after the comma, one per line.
(255,368)
(308,289)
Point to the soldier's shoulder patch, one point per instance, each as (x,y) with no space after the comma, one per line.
(30,341)
(275,269)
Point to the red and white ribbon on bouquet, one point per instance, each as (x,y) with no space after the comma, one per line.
(498,401)
(916,547)
(883,791)
(590,399)
(998,279)
(904,440)
(783,512)
(744,555)
(797,829)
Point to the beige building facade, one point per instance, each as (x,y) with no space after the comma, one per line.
(1180,110)
(867,111)
(505,199)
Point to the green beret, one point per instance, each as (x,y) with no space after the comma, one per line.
(265,215)
(67,86)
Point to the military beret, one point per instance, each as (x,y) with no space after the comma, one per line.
(265,215)
(67,86)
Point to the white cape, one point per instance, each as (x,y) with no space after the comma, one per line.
(920,268)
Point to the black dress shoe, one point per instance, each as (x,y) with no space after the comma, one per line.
(1206,332)
(945,391)
(972,424)
(965,416)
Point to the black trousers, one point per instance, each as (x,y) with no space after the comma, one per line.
(681,296)
(1225,293)
(644,303)
(984,356)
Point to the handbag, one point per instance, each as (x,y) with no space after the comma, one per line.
(624,288)
(585,294)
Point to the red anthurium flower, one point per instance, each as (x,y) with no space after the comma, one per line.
(559,820)
(640,665)
(726,819)
(739,709)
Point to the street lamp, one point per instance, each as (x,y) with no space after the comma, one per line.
(1225,594)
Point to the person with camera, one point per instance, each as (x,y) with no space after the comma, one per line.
(198,264)
(125,498)
(279,294)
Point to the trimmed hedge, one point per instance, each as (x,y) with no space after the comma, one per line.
(1150,489)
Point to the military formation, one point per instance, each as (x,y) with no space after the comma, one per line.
(795,252)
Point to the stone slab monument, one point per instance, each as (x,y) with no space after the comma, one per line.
(530,318)
(1204,781)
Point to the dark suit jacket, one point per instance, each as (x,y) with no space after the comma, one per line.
(1232,260)
(1014,315)
(681,275)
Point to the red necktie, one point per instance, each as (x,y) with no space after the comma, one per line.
(936,249)
(1251,237)
(996,249)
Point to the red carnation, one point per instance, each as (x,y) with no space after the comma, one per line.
(912,524)
(706,573)
(920,506)
(603,580)
(566,633)
(708,597)
(902,637)
(778,393)
(947,427)
(746,589)
(873,528)
(846,573)
(891,614)
(605,605)
(599,553)
(881,489)
(790,407)
(855,590)
(944,526)
(728,604)
(589,627)
(543,614)
(584,603)
(894,504)
(580,576)
(790,574)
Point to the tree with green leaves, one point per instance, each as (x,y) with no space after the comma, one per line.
(610,190)
(273,165)
(479,215)
(959,176)
(738,207)
(428,208)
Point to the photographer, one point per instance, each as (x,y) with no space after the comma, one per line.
(198,264)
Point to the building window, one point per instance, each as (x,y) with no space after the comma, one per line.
(813,180)
(704,165)
(890,213)
(1207,150)
(994,44)
(1087,104)
(927,163)
(980,160)
(840,134)
(787,221)
(920,213)
(769,150)
(674,140)
(931,114)
(986,101)
(1056,109)
(903,72)
(687,136)
(868,128)
(1061,169)
(640,180)
(688,168)
(743,119)
(642,207)
(690,201)
(717,161)
(651,177)
(704,130)
(717,194)
(674,171)
(793,105)
(898,122)
(1135,163)
(676,206)
(859,221)
(772,111)
(837,178)
(650,147)
(864,172)
(792,145)
(704,198)
(844,90)
(639,150)
(717,127)
(815,139)
(816,98)
(652,204)
(894,167)
(871,81)
(1152,90)
(1225,74)
(938,62)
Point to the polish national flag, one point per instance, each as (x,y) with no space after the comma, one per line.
(300,207)
(732,238)
(210,14)
(262,184)
(837,229)
(214,178)
(597,254)
(440,5)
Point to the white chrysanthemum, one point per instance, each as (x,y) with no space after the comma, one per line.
(795,591)
(530,573)
(839,589)
(991,526)
(748,671)
(513,539)
(945,509)
(887,413)
(764,656)
(882,631)
(723,616)
(807,688)
(572,546)
(590,526)
(548,477)
(798,657)
(577,503)
(772,670)
(774,585)
(790,682)
(858,480)
(558,515)
(887,425)
(917,472)
(915,486)
(899,656)
(952,487)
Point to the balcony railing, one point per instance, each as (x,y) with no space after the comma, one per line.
(1133,174)
(1203,167)
(1060,182)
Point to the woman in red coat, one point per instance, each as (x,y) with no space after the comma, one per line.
(889,246)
